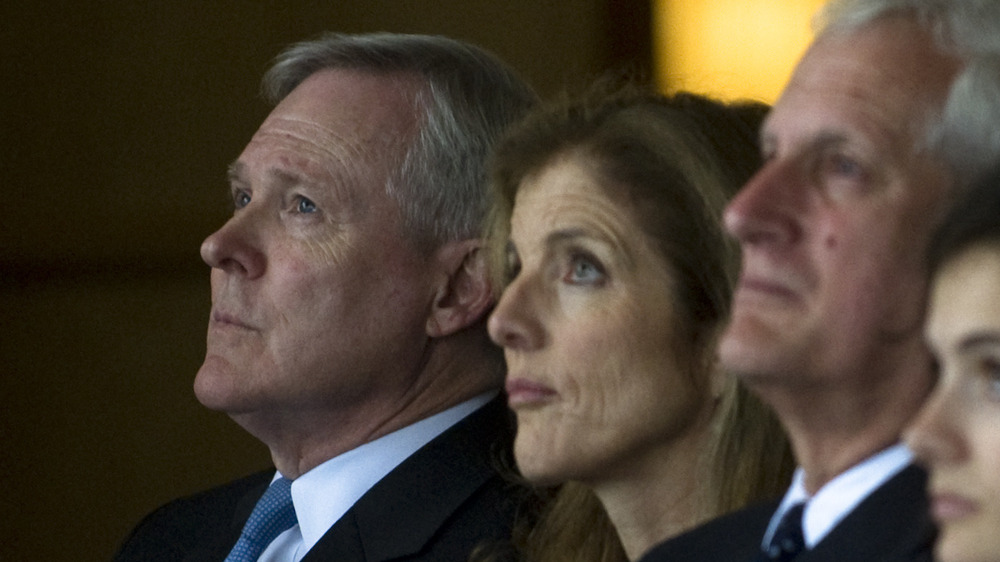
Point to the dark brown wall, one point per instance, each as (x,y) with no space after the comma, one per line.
(118,121)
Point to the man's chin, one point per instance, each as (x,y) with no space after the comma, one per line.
(215,385)
(739,341)
(749,349)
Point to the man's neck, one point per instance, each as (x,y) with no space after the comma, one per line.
(301,441)
(831,432)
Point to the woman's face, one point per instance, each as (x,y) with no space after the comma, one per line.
(957,434)
(588,329)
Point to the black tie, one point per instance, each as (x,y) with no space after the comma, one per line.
(787,541)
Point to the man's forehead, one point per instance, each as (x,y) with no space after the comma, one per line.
(336,122)
(872,85)
(891,54)
(367,106)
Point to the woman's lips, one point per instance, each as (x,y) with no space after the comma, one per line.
(523,392)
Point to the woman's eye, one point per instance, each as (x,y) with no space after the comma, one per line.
(935,367)
(305,206)
(512,266)
(990,368)
(584,271)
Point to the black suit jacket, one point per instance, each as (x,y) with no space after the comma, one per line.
(439,504)
(890,525)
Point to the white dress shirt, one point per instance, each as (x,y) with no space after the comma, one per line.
(839,496)
(324,494)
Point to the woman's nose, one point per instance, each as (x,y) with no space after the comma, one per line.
(514,323)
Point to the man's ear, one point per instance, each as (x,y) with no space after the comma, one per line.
(465,295)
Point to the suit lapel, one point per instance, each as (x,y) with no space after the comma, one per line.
(732,537)
(219,539)
(891,524)
(341,542)
(403,511)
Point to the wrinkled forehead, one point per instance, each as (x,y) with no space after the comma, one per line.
(360,108)
(884,79)
(893,58)
(338,127)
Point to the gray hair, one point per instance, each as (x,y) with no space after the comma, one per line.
(969,134)
(469,98)
(964,132)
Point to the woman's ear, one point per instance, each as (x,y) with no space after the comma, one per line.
(465,296)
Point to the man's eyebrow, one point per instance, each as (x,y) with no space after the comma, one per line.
(829,138)
(286,177)
(235,171)
(822,139)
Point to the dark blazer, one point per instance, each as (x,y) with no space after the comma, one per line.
(438,505)
(890,525)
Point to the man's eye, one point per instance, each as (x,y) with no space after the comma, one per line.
(306,206)
(241,199)
(843,175)
(845,167)
(767,153)
(839,168)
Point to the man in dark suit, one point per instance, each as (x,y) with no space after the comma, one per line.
(349,299)
(827,319)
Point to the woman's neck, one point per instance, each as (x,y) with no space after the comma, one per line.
(661,497)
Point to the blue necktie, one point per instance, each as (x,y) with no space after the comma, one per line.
(787,541)
(273,514)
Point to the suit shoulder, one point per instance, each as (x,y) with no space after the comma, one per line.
(891,524)
(447,498)
(736,536)
(173,529)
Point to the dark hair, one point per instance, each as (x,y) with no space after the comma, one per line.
(973,221)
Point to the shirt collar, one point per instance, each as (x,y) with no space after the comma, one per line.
(325,493)
(841,495)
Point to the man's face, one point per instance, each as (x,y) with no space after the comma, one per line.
(833,227)
(319,303)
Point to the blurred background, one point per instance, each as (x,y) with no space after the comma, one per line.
(117,121)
